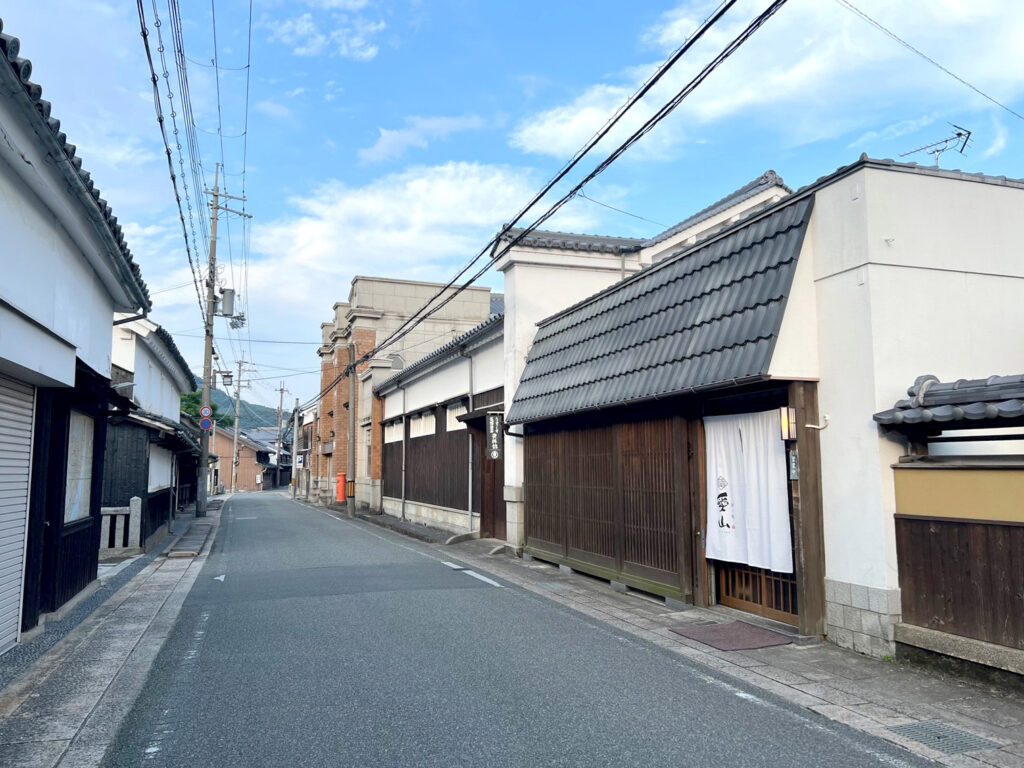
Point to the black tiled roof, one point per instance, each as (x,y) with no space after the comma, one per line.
(10,48)
(168,341)
(933,402)
(702,319)
(571,241)
(449,349)
(766,180)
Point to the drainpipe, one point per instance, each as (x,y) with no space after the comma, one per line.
(351,476)
(469,442)
(405,427)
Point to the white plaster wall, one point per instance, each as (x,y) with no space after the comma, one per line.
(914,274)
(442,384)
(160,462)
(489,366)
(46,276)
(154,389)
(123,350)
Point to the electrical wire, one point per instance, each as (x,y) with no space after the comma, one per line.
(892,35)
(619,210)
(587,147)
(167,148)
(515,239)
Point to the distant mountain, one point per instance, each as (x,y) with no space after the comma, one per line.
(250,415)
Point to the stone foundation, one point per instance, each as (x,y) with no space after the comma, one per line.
(862,618)
(454,520)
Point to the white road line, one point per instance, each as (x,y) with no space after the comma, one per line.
(245,518)
(484,579)
(453,566)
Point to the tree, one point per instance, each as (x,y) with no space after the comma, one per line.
(191,402)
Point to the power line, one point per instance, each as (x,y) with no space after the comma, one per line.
(259,341)
(587,147)
(892,35)
(649,125)
(613,208)
(163,134)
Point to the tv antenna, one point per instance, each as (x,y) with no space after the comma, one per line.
(961,137)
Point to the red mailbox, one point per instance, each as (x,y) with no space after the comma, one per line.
(339,491)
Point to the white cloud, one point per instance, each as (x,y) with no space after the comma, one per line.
(418,132)
(418,224)
(272,109)
(348,37)
(999,140)
(295,92)
(890,132)
(814,71)
(337,5)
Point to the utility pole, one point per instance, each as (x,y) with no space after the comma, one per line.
(211,284)
(234,440)
(211,280)
(295,445)
(277,468)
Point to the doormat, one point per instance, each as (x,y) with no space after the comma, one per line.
(734,636)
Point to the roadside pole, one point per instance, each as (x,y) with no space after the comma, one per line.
(295,444)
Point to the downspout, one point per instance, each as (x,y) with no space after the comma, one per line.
(405,427)
(351,476)
(469,442)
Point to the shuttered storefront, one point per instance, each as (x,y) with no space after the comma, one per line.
(16,407)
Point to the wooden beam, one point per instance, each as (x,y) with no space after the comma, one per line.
(808,523)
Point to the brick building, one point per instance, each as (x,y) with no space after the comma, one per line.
(253,461)
(375,309)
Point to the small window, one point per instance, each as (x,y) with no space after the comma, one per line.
(78,482)
(454,411)
(422,424)
(393,432)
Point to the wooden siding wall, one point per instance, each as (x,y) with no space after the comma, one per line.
(126,465)
(613,496)
(391,469)
(963,577)
(437,466)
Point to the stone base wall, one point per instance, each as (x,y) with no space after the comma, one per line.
(862,618)
(454,520)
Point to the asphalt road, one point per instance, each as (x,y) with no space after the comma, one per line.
(333,643)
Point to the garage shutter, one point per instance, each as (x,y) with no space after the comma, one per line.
(16,407)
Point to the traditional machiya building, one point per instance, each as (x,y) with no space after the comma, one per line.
(706,428)
(255,470)
(435,465)
(375,309)
(66,270)
(150,454)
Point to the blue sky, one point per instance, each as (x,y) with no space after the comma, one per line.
(393,137)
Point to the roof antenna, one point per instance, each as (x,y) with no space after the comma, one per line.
(961,137)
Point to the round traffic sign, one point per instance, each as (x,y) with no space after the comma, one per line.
(205,423)
(206,411)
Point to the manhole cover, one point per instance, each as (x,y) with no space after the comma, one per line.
(942,737)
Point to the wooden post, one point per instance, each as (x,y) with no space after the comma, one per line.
(808,522)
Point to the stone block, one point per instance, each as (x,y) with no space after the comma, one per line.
(881,647)
(871,624)
(895,605)
(834,614)
(862,643)
(840,636)
(878,600)
(851,618)
(859,596)
(843,596)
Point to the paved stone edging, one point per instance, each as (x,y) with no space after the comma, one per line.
(68,707)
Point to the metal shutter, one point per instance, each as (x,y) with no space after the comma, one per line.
(16,408)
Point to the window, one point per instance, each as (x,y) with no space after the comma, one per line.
(393,432)
(78,483)
(422,424)
(454,411)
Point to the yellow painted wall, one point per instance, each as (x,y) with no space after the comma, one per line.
(973,494)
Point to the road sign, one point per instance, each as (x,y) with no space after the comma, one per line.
(206,412)
(205,423)
(495,437)
(299,461)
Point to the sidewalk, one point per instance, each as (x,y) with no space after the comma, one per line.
(67,707)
